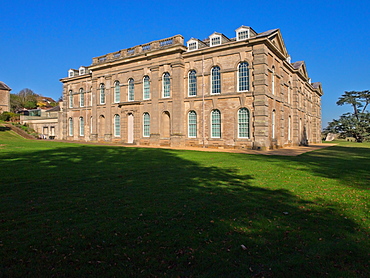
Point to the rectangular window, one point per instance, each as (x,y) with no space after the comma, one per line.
(215,41)
(146,125)
(216,124)
(192,46)
(192,124)
(242,35)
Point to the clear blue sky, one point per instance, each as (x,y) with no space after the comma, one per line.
(41,40)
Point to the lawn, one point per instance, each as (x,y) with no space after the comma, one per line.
(73,210)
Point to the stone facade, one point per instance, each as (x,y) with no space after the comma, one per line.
(4,97)
(242,92)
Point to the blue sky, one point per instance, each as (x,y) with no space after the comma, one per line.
(41,40)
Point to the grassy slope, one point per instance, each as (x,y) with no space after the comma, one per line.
(75,210)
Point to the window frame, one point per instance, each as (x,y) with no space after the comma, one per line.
(146,124)
(117,92)
(243,78)
(70,99)
(215,80)
(82,98)
(216,124)
(192,83)
(131,89)
(243,123)
(102,93)
(146,87)
(166,85)
(70,126)
(192,124)
(81,126)
(117,125)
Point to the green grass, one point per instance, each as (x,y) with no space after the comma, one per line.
(72,210)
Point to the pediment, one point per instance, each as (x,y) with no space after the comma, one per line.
(277,40)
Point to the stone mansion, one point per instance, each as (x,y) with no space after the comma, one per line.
(221,92)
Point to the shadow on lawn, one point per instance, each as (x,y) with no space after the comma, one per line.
(147,212)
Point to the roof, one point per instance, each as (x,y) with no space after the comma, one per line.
(56,108)
(316,85)
(3,86)
(267,33)
(297,65)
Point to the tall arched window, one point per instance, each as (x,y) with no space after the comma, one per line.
(243,77)
(215,81)
(146,125)
(82,98)
(70,126)
(91,125)
(216,124)
(192,124)
(166,85)
(102,94)
(82,126)
(273,81)
(70,99)
(273,124)
(243,123)
(146,87)
(131,90)
(192,83)
(117,92)
(290,128)
(117,126)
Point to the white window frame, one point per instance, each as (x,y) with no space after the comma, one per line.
(70,99)
(82,97)
(192,84)
(102,93)
(117,125)
(81,123)
(146,87)
(117,92)
(192,126)
(243,122)
(166,85)
(146,124)
(242,81)
(214,124)
(70,126)
(218,81)
(215,40)
(131,89)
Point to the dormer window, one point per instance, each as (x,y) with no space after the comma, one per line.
(244,33)
(82,70)
(71,73)
(192,46)
(215,41)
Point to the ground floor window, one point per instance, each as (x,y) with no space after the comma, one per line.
(243,123)
(216,124)
(192,124)
(146,125)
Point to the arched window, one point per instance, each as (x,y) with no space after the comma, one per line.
(216,124)
(102,94)
(243,77)
(192,124)
(166,85)
(289,128)
(117,126)
(273,124)
(82,98)
(273,81)
(70,126)
(192,83)
(146,125)
(146,87)
(243,123)
(70,99)
(82,126)
(117,92)
(91,124)
(215,81)
(131,90)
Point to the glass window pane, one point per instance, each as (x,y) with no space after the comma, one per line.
(243,123)
(216,124)
(192,83)
(216,81)
(192,124)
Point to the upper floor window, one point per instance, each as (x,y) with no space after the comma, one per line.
(243,123)
(192,46)
(243,77)
(102,94)
(70,126)
(71,73)
(273,81)
(117,126)
(82,70)
(70,99)
(192,80)
(215,41)
(146,87)
(216,124)
(215,80)
(146,125)
(82,98)
(131,90)
(117,92)
(192,124)
(82,126)
(166,85)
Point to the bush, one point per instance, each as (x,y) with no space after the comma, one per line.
(9,116)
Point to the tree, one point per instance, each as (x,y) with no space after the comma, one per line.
(26,98)
(356,124)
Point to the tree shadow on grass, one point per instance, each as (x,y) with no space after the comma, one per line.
(127,212)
